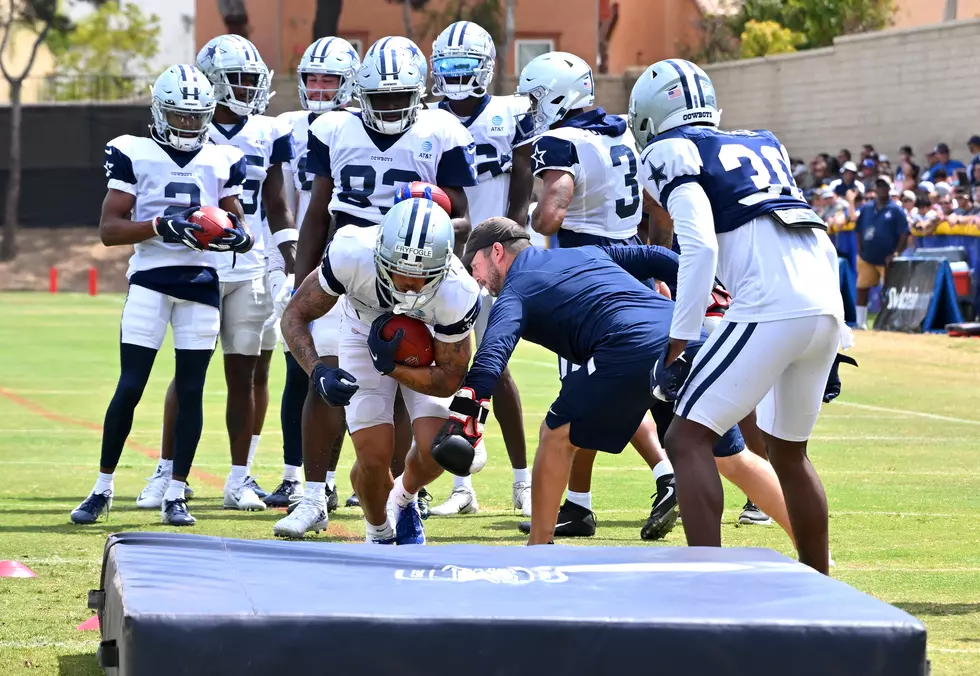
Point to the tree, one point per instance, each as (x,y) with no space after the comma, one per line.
(503,49)
(761,38)
(107,55)
(819,21)
(41,18)
(327,19)
(235,15)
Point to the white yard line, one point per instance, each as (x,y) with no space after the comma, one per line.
(22,645)
(903,411)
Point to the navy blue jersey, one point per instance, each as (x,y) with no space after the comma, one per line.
(745,173)
(578,303)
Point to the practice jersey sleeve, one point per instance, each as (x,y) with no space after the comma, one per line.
(458,327)
(119,166)
(282,145)
(667,164)
(236,174)
(504,328)
(690,210)
(338,270)
(553,152)
(457,165)
(645,262)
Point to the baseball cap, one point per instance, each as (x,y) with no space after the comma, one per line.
(941,148)
(882,158)
(826,193)
(974,140)
(908,195)
(849,166)
(490,232)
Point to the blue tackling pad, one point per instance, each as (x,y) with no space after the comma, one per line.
(188,604)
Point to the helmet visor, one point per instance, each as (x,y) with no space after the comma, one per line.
(455,67)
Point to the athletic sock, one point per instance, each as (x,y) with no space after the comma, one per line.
(463,482)
(290,473)
(332,480)
(862,316)
(374,533)
(315,492)
(522,475)
(165,467)
(103,484)
(581,499)
(662,468)
(237,476)
(253,446)
(175,490)
(400,496)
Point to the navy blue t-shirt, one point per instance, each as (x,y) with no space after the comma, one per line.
(881,230)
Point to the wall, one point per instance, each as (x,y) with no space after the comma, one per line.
(905,86)
(909,13)
(649,32)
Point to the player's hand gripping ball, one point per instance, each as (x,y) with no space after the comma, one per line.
(212,224)
(397,339)
(423,190)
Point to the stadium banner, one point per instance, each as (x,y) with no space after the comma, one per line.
(918,296)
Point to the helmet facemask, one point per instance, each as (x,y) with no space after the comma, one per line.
(317,96)
(407,301)
(461,77)
(391,111)
(242,90)
(180,128)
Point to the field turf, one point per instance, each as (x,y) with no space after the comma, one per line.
(898,453)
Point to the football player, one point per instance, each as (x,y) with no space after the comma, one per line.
(590,196)
(463,58)
(405,265)
(156,184)
(737,211)
(326,82)
(240,79)
(358,161)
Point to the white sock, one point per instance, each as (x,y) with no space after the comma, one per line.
(400,496)
(103,483)
(238,474)
(315,491)
(662,468)
(165,466)
(332,480)
(862,315)
(253,446)
(581,499)
(175,490)
(463,482)
(290,473)
(522,475)
(374,533)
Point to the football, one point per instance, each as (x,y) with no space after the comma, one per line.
(416,348)
(214,221)
(439,195)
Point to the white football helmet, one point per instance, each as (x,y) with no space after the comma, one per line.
(328,56)
(464,52)
(556,82)
(415,239)
(670,94)
(239,75)
(390,86)
(182,104)
(404,43)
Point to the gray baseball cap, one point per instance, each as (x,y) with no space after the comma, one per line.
(489,232)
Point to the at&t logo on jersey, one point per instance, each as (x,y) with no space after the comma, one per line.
(426,152)
(496,123)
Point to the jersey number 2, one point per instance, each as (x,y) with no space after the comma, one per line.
(192,191)
(618,154)
(731,156)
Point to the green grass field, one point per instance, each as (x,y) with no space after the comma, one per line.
(898,454)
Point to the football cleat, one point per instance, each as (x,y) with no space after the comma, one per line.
(251,483)
(283,493)
(188,491)
(352,501)
(425,502)
(242,497)
(174,513)
(408,525)
(663,514)
(461,501)
(333,500)
(752,515)
(574,521)
(521,495)
(307,516)
(92,507)
(151,497)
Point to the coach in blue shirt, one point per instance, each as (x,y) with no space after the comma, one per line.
(883,231)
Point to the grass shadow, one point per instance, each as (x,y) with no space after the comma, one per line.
(78,665)
(939,609)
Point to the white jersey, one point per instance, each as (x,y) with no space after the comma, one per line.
(494,130)
(165,181)
(299,121)
(597,151)
(368,168)
(349,269)
(264,142)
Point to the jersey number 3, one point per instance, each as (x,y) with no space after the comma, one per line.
(619,154)
(731,156)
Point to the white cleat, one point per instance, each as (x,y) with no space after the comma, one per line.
(151,497)
(242,497)
(461,501)
(522,497)
(308,516)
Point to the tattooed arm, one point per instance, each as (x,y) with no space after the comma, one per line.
(443,378)
(555,198)
(310,302)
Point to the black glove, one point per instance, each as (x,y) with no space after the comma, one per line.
(176,228)
(238,239)
(832,391)
(666,381)
(457,447)
(383,351)
(335,386)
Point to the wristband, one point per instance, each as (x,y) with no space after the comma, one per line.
(285,235)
